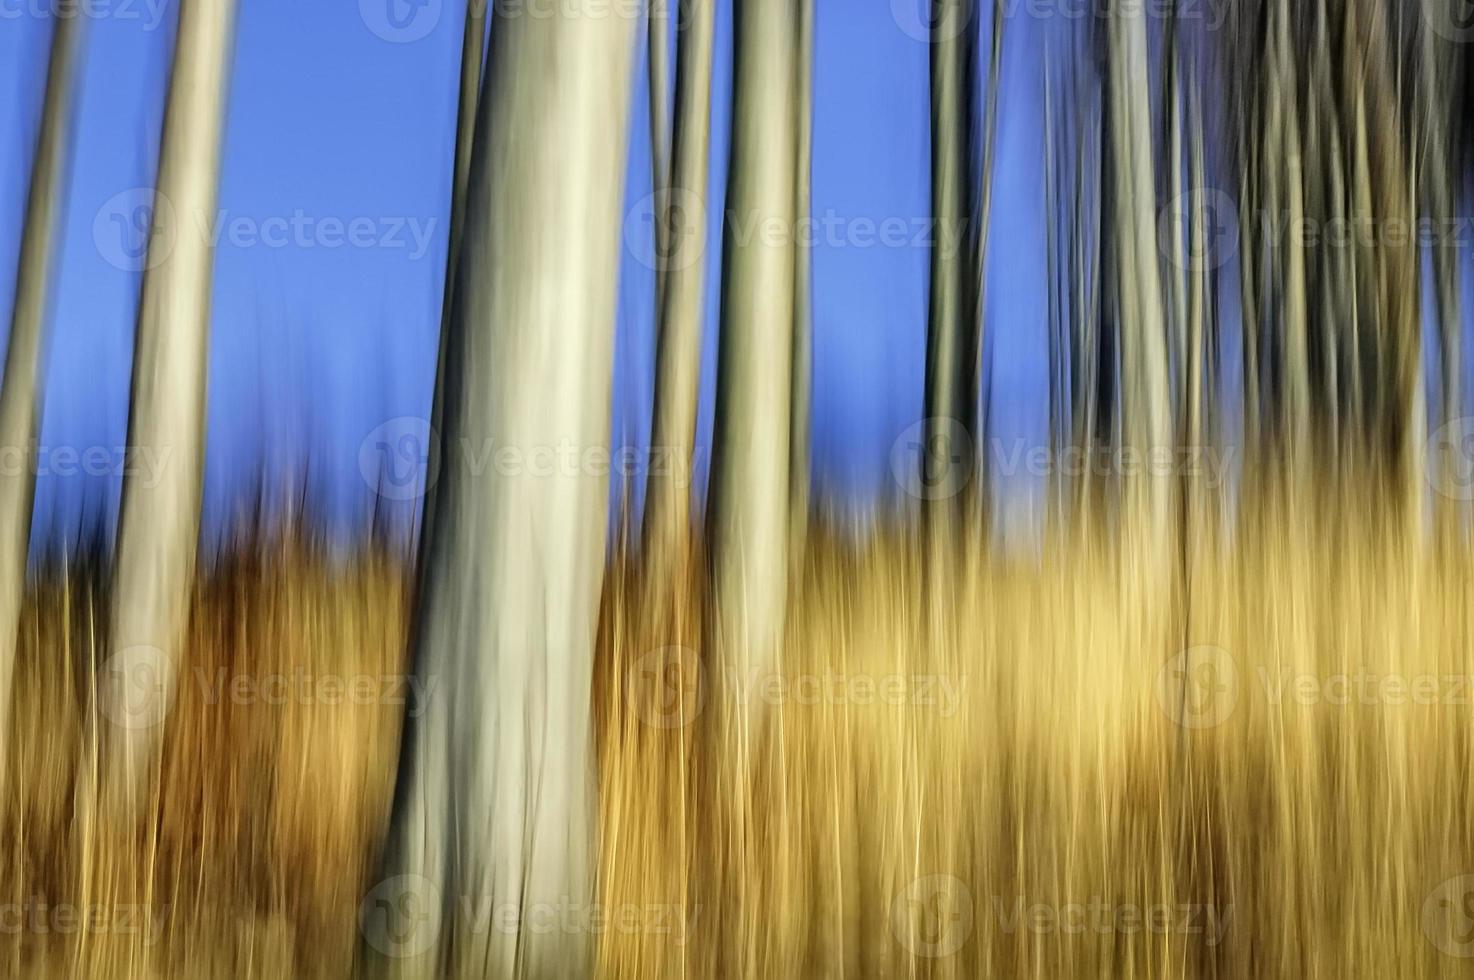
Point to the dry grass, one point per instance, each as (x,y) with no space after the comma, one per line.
(1028,756)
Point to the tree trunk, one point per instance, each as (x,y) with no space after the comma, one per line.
(953,337)
(159,523)
(1146,419)
(21,394)
(803,292)
(750,488)
(681,214)
(494,807)
(473,50)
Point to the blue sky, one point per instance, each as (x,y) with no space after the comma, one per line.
(312,347)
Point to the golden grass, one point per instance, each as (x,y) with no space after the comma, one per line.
(1010,789)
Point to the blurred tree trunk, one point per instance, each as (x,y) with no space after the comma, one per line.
(158,526)
(494,806)
(680,222)
(803,291)
(1146,417)
(473,51)
(953,335)
(749,506)
(22,390)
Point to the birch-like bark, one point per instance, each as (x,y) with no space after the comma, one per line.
(803,289)
(682,213)
(158,526)
(22,390)
(1146,406)
(748,513)
(494,805)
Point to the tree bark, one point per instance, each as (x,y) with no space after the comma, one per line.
(22,391)
(494,806)
(158,526)
(750,488)
(682,212)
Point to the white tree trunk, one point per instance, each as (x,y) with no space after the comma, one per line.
(494,807)
(159,523)
(21,393)
(1146,413)
(803,292)
(748,513)
(682,213)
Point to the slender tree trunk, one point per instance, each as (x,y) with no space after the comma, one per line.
(803,290)
(473,51)
(494,804)
(681,273)
(1146,399)
(159,523)
(21,392)
(952,338)
(750,486)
